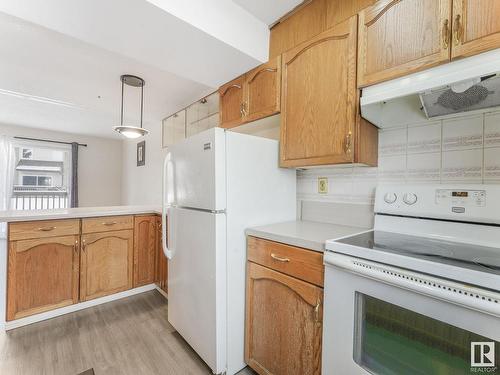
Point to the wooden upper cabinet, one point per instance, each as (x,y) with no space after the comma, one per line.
(307,21)
(476,27)
(340,10)
(42,275)
(144,250)
(319,99)
(106,263)
(398,37)
(263,90)
(231,103)
(283,323)
(252,96)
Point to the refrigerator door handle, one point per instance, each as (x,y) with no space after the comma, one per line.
(168,253)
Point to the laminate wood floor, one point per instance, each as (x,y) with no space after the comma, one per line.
(129,336)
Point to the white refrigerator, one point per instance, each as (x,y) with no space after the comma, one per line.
(216,184)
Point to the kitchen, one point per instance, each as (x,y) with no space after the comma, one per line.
(301,188)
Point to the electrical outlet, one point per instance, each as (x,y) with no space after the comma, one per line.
(322,185)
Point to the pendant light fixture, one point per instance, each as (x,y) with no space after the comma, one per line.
(131,131)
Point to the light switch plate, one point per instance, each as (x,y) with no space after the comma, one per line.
(322,185)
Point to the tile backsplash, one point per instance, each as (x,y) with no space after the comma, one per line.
(465,149)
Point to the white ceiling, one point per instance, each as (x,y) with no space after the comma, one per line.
(268,11)
(61,62)
(38,62)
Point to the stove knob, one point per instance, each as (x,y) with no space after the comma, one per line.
(410,199)
(390,198)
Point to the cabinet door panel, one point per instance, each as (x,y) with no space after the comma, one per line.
(106,263)
(144,250)
(476,26)
(283,323)
(162,261)
(400,37)
(263,90)
(42,275)
(231,101)
(318,109)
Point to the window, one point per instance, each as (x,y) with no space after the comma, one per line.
(29,180)
(37,181)
(41,177)
(44,181)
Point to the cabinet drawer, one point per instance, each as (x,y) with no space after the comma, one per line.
(107,223)
(43,229)
(303,264)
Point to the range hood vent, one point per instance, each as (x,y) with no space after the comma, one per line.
(470,84)
(465,96)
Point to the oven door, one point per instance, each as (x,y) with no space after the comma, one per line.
(383,320)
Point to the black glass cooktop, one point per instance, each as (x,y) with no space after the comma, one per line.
(481,258)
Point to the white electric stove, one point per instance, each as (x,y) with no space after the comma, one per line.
(420,293)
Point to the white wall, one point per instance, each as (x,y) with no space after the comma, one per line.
(143,185)
(99,167)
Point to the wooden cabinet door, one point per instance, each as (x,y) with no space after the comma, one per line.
(144,249)
(162,261)
(231,103)
(283,323)
(106,263)
(42,275)
(400,37)
(318,101)
(476,27)
(263,91)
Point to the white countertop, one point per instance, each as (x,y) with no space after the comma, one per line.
(307,234)
(74,213)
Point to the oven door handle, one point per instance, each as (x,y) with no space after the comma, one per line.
(478,299)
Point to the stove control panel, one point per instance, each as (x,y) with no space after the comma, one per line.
(467,202)
(461,198)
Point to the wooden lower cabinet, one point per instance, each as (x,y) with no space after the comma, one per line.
(42,275)
(145,246)
(283,323)
(106,263)
(161,260)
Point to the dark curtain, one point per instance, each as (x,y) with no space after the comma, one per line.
(74,174)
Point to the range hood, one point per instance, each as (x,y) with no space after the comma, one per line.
(468,85)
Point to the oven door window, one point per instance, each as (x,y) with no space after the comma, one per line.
(391,340)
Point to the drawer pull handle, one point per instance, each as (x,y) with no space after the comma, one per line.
(46,229)
(109,223)
(279,259)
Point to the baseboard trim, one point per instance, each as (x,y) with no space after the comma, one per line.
(162,292)
(76,307)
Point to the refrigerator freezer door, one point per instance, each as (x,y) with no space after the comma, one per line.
(196,171)
(197,282)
